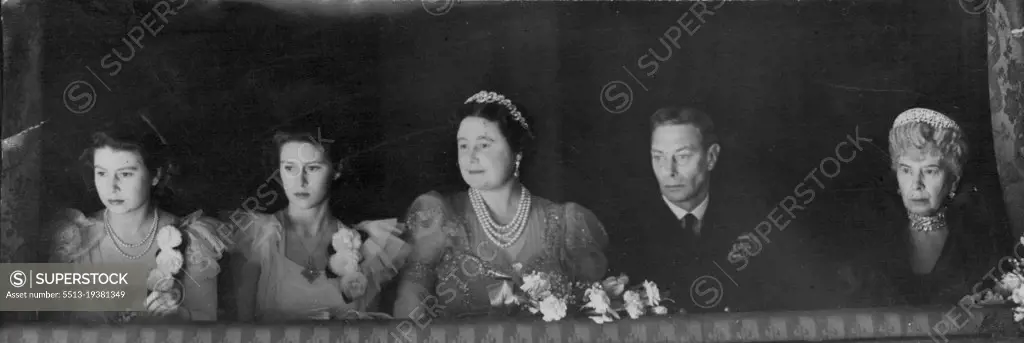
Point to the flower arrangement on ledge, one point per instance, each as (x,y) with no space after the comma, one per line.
(606,300)
(1009,287)
(543,293)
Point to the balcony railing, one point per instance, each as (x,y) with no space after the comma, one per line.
(878,325)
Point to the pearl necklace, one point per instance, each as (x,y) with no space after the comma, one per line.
(502,235)
(118,242)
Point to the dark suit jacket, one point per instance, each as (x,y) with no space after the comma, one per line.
(777,274)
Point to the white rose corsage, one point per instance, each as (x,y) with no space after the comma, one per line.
(169,262)
(344,262)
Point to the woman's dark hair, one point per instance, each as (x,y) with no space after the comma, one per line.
(155,156)
(518,137)
(317,135)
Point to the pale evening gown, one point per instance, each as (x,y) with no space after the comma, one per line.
(454,267)
(284,294)
(78,239)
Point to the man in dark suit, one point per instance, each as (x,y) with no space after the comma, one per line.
(709,243)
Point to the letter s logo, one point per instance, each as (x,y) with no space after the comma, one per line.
(614,99)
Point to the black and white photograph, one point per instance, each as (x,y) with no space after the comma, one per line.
(512,171)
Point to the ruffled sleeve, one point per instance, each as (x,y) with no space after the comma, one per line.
(585,243)
(250,235)
(72,235)
(424,222)
(202,256)
(384,254)
(205,247)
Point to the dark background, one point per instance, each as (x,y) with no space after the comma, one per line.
(785,82)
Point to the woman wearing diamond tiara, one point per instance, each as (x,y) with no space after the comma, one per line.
(467,244)
(131,174)
(944,243)
(303,262)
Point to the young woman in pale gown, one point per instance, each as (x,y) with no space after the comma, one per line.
(284,257)
(468,243)
(130,173)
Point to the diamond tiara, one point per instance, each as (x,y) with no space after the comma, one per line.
(485,97)
(924,115)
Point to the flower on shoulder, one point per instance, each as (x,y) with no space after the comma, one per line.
(158,281)
(552,308)
(169,237)
(634,305)
(345,260)
(354,284)
(344,263)
(169,260)
(346,240)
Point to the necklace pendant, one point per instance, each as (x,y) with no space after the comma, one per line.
(310,273)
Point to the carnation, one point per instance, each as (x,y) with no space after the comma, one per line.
(552,308)
(344,263)
(169,261)
(653,295)
(168,237)
(1012,281)
(634,306)
(536,285)
(345,240)
(597,299)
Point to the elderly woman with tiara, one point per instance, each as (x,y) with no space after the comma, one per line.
(471,247)
(943,244)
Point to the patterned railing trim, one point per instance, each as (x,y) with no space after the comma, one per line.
(739,327)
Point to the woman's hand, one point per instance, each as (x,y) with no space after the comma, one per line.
(162,303)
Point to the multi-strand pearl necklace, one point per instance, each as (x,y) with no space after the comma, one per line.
(502,235)
(118,242)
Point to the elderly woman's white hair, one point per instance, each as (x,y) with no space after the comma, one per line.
(933,132)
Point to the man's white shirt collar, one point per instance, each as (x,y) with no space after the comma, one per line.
(697,212)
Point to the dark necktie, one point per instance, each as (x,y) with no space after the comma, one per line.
(689,223)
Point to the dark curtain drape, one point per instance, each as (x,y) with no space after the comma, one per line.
(22,123)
